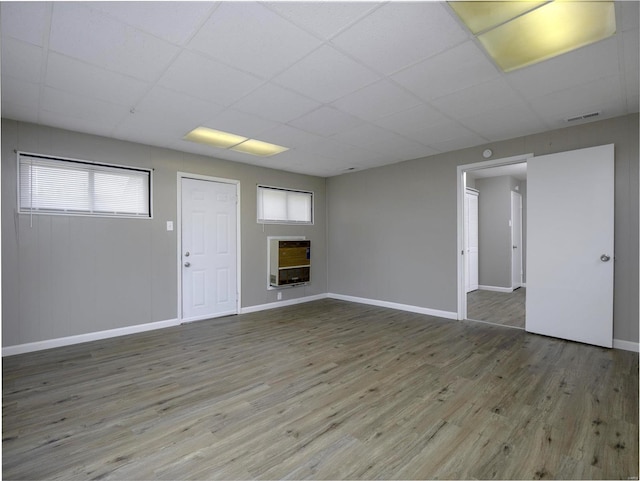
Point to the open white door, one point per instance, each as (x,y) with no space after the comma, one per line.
(570,198)
(471,239)
(209,257)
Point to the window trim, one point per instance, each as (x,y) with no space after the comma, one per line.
(283,222)
(31,211)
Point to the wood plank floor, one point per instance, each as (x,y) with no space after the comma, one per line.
(504,308)
(323,390)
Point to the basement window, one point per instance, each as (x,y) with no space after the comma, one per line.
(284,206)
(53,185)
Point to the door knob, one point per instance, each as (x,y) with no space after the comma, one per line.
(187,264)
(605,258)
(187,254)
(514,247)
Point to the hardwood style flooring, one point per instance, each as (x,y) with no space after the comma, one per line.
(504,308)
(323,390)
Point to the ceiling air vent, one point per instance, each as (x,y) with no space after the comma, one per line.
(583,116)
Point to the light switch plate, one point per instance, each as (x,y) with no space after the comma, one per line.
(169,225)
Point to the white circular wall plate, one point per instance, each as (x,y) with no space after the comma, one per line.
(487,153)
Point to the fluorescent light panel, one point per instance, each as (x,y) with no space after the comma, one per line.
(481,16)
(536,32)
(217,138)
(226,140)
(257,147)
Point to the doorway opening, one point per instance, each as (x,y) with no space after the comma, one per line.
(491,236)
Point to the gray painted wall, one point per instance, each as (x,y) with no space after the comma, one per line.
(75,275)
(494,233)
(392,229)
(391,234)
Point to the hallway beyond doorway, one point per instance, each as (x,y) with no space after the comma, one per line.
(504,308)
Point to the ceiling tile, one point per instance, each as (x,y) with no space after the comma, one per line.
(73,76)
(568,70)
(377,100)
(83,33)
(400,34)
(440,132)
(84,65)
(195,75)
(148,127)
(586,98)
(455,69)
(275,103)
(197,148)
(326,75)
(505,123)
(189,111)
(21,60)
(265,44)
(175,22)
(412,120)
(81,114)
(326,121)
(338,150)
(296,161)
(376,139)
(477,99)
(20,99)
(458,143)
(26,21)
(240,123)
(288,137)
(324,19)
(83,108)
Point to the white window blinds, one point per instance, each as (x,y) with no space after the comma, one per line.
(284,206)
(61,186)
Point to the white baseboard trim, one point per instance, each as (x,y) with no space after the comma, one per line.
(208,316)
(394,305)
(90,336)
(626,345)
(496,289)
(287,302)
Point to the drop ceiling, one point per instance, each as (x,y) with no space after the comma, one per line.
(343,85)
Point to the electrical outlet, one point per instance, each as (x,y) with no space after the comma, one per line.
(279,296)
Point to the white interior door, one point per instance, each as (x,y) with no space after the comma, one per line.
(570,199)
(516,240)
(471,240)
(209,256)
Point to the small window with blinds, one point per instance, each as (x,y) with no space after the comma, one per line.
(50,185)
(284,206)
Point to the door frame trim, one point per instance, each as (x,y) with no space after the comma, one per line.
(519,283)
(461,172)
(207,178)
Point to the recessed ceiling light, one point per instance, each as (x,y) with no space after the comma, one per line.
(217,138)
(536,32)
(257,147)
(226,140)
(481,16)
